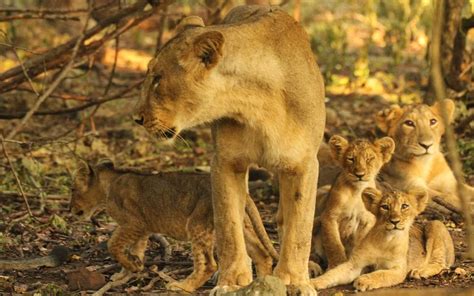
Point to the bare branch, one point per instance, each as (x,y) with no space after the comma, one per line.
(26,16)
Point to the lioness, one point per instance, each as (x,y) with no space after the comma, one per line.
(393,246)
(345,220)
(255,79)
(176,204)
(417,131)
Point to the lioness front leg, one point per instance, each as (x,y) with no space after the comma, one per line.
(228,197)
(380,279)
(295,223)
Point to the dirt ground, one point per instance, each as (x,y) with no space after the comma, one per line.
(24,237)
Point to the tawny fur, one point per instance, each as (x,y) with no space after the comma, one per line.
(393,246)
(344,221)
(255,79)
(412,127)
(175,204)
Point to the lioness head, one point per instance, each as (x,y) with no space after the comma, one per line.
(87,196)
(416,129)
(393,209)
(361,160)
(181,82)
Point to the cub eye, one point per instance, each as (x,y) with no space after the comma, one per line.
(384,207)
(350,159)
(156,81)
(405,206)
(433,121)
(409,123)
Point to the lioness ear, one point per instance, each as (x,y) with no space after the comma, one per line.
(386,118)
(448,105)
(371,198)
(338,146)
(208,48)
(387,147)
(421,197)
(189,22)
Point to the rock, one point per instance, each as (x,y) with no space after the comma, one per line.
(83,279)
(266,286)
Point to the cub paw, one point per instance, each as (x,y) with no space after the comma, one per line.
(133,263)
(422,273)
(179,287)
(314,269)
(221,290)
(319,284)
(301,290)
(364,283)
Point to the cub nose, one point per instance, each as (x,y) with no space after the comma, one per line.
(359,174)
(395,221)
(140,120)
(426,145)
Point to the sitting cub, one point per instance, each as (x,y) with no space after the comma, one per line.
(393,247)
(344,221)
(176,204)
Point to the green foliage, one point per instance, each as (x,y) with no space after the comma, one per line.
(466,149)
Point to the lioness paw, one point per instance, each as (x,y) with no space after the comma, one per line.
(305,289)
(364,283)
(220,290)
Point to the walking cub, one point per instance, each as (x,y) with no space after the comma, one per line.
(393,246)
(176,204)
(345,220)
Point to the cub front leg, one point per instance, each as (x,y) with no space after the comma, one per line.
(122,239)
(295,223)
(380,279)
(229,190)
(331,241)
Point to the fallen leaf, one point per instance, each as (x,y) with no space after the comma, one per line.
(83,279)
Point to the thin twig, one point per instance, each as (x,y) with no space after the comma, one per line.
(117,283)
(117,96)
(62,74)
(114,66)
(18,182)
(30,16)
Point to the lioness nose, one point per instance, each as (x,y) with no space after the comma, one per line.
(425,145)
(140,120)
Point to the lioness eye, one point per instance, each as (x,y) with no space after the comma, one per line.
(156,81)
(384,207)
(405,206)
(433,121)
(409,123)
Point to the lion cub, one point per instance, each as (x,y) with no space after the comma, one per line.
(176,204)
(393,246)
(344,220)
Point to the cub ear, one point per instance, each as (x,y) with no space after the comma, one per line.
(189,22)
(386,146)
(421,198)
(448,105)
(371,198)
(85,173)
(338,146)
(387,117)
(208,48)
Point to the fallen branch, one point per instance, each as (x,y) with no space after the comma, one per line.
(117,283)
(31,16)
(59,78)
(58,55)
(18,182)
(12,194)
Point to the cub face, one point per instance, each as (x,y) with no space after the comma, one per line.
(394,209)
(361,160)
(85,193)
(181,82)
(416,129)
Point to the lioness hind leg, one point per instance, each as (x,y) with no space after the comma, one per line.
(121,240)
(439,251)
(295,222)
(255,249)
(204,263)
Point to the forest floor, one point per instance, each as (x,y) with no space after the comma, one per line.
(49,166)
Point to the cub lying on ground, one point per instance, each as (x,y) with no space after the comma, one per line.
(176,204)
(417,131)
(344,221)
(393,246)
